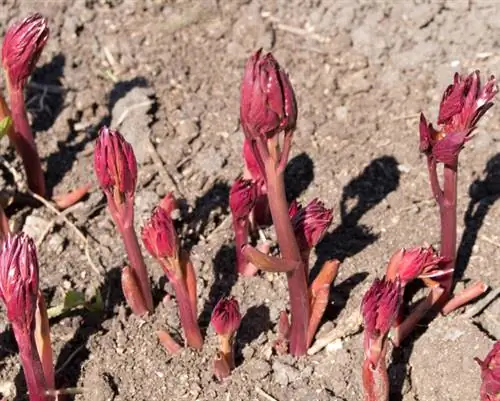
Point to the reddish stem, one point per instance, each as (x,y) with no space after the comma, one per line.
(297,284)
(448,214)
(375,381)
(4,225)
(470,293)
(186,314)
(69,199)
(32,366)
(132,292)
(241,238)
(137,261)
(43,342)
(406,327)
(437,192)
(22,138)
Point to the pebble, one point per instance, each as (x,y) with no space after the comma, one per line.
(34,226)
(257,369)
(284,374)
(130,115)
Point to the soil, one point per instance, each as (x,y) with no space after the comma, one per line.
(167,73)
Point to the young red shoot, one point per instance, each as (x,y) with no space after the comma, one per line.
(19,292)
(267,110)
(463,104)
(116,170)
(379,308)
(22,45)
(490,374)
(161,241)
(226,319)
(242,197)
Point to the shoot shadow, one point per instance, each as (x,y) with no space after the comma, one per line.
(483,194)
(361,194)
(45,94)
(224,278)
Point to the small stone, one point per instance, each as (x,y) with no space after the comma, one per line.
(257,369)
(247,352)
(284,374)
(334,346)
(131,115)
(34,226)
(56,244)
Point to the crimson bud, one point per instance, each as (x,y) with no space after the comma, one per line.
(267,103)
(19,279)
(22,45)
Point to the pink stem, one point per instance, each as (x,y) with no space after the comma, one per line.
(4,225)
(32,366)
(433,178)
(297,284)
(241,239)
(375,381)
(408,325)
(467,295)
(22,138)
(186,314)
(137,261)
(448,214)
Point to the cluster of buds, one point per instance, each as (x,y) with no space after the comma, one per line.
(490,374)
(27,313)
(463,104)
(379,308)
(116,170)
(160,239)
(22,45)
(225,320)
(268,114)
(416,263)
(242,199)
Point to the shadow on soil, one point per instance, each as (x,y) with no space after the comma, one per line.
(217,197)
(360,195)
(483,194)
(253,323)
(225,277)
(75,352)
(60,162)
(45,94)
(299,174)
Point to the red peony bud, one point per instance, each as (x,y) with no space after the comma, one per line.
(242,198)
(409,264)
(226,317)
(22,45)
(115,165)
(379,306)
(267,103)
(159,235)
(490,375)
(310,223)
(19,279)
(463,104)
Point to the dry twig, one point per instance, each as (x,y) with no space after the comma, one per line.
(351,326)
(264,395)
